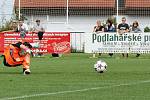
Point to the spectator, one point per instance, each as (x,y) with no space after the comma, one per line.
(135,29)
(123,28)
(22,28)
(98,28)
(110,28)
(14,25)
(39,29)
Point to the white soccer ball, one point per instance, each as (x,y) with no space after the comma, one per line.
(100,66)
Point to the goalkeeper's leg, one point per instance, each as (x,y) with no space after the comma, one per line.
(26,64)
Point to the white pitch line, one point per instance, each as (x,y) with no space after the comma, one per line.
(81,90)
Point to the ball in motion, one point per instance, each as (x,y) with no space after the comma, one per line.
(100,66)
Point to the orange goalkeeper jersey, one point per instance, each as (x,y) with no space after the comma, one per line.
(13,56)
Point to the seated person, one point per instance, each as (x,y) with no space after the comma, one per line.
(98,28)
(135,29)
(39,29)
(123,28)
(109,26)
(22,28)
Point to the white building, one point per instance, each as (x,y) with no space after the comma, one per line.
(81,15)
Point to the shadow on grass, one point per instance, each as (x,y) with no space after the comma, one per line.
(10,73)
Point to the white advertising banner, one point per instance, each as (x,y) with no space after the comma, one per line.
(115,43)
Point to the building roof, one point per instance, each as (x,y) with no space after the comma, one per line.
(62,3)
(137,3)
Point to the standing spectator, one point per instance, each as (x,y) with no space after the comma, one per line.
(98,28)
(22,28)
(123,28)
(110,28)
(39,29)
(135,29)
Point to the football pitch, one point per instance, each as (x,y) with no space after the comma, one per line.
(72,77)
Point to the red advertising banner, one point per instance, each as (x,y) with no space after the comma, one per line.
(52,42)
(1,43)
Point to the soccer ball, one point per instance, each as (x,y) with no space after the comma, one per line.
(100,66)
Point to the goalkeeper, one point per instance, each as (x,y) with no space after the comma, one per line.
(18,54)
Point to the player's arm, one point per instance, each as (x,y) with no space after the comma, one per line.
(27,50)
(103,29)
(127,28)
(42,29)
(118,28)
(25,46)
(26,28)
(34,30)
(94,30)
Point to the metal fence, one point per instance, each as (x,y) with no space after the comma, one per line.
(62,12)
(77,41)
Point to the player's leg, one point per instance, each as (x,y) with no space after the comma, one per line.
(110,54)
(40,36)
(137,55)
(26,64)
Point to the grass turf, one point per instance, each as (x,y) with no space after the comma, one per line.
(75,72)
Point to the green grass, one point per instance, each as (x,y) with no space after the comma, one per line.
(75,72)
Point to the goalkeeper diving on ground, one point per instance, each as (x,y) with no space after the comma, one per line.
(19,54)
